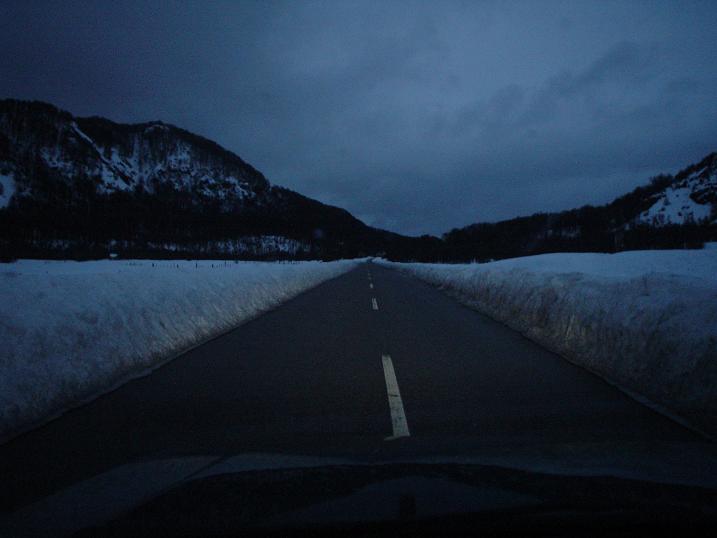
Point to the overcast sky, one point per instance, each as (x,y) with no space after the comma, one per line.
(415,116)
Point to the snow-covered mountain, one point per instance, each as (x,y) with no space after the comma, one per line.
(669,212)
(690,199)
(92,183)
(39,138)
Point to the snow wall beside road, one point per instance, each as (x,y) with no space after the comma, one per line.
(70,331)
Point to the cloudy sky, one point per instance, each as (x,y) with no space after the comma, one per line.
(415,116)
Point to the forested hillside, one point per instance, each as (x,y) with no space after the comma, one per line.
(669,212)
(88,187)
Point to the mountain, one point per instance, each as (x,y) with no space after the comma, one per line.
(670,212)
(689,199)
(88,186)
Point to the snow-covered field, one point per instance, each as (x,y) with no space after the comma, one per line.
(72,330)
(644,320)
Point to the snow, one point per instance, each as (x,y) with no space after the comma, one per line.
(645,321)
(686,201)
(254,245)
(122,168)
(7,188)
(55,159)
(676,207)
(700,264)
(73,330)
(83,135)
(156,127)
(111,178)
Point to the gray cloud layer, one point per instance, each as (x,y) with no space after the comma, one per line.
(415,116)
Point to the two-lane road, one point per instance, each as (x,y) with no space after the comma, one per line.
(371,366)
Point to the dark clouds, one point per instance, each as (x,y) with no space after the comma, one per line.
(415,116)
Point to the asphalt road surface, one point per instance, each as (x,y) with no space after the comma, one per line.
(371,366)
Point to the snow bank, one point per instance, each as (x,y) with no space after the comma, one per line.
(71,330)
(646,320)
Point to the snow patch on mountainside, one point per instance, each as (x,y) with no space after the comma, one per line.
(676,207)
(255,245)
(645,320)
(7,188)
(688,201)
(72,330)
(155,155)
(178,166)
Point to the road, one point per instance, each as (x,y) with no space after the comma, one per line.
(371,366)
